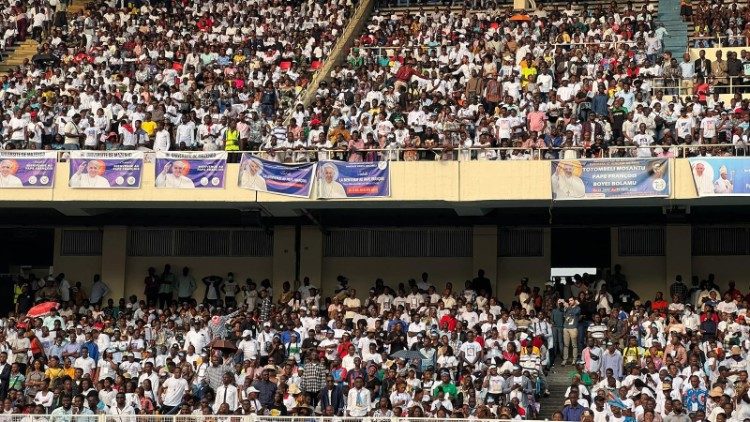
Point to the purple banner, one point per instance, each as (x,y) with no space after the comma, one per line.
(188,170)
(27,169)
(340,179)
(269,176)
(105,170)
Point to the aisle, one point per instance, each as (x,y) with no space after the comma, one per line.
(557,381)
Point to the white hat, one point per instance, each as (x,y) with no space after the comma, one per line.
(247,333)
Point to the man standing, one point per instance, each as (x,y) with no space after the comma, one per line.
(227,393)
(358,402)
(121,408)
(98,290)
(266,388)
(185,286)
(570,330)
(172,391)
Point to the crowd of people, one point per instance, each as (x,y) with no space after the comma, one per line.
(437,83)
(718,23)
(166,74)
(221,346)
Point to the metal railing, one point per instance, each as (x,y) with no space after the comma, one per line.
(440,153)
(718,41)
(217,418)
(672,151)
(679,89)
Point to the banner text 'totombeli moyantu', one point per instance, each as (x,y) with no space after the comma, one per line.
(269,176)
(105,169)
(199,170)
(610,178)
(339,179)
(721,176)
(27,169)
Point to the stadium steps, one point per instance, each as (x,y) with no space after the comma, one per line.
(558,380)
(677,39)
(25,50)
(340,50)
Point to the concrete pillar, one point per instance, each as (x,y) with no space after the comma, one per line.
(678,253)
(485,253)
(311,256)
(283,258)
(114,256)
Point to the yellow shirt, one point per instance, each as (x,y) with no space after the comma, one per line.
(149,127)
(54,373)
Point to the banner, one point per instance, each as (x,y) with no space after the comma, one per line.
(721,176)
(188,170)
(340,179)
(105,170)
(610,178)
(269,176)
(27,169)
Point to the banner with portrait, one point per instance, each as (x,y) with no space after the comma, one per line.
(610,178)
(269,176)
(105,169)
(28,169)
(190,170)
(721,176)
(341,180)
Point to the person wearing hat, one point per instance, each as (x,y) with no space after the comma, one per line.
(723,185)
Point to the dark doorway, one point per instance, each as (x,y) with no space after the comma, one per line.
(581,247)
(22,246)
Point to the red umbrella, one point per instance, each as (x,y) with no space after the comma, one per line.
(41,309)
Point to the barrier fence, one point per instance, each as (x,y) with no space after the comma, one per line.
(71,417)
(301,155)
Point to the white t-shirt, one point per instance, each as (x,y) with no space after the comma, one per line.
(86,364)
(174,389)
(471,351)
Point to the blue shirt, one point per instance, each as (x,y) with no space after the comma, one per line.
(93,350)
(573,413)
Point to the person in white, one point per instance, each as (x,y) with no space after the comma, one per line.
(565,184)
(358,401)
(703,175)
(87,176)
(173,176)
(162,141)
(723,184)
(250,176)
(227,393)
(121,408)
(173,389)
(329,187)
(7,178)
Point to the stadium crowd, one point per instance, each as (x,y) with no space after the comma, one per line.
(434,83)
(416,350)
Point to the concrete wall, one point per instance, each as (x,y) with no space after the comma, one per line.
(726,269)
(243,268)
(362,272)
(431,183)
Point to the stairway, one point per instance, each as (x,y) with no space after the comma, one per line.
(25,50)
(558,380)
(677,39)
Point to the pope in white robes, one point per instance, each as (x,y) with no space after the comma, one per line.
(328,186)
(703,176)
(173,176)
(250,177)
(88,176)
(566,185)
(7,178)
(723,184)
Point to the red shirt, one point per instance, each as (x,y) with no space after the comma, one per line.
(448,320)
